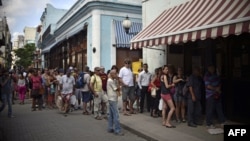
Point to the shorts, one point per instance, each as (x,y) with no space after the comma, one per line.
(85,96)
(66,97)
(166,97)
(137,91)
(178,98)
(78,94)
(128,93)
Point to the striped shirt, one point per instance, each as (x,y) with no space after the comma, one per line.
(212,80)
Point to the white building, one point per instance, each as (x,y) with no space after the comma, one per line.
(149,14)
(29,35)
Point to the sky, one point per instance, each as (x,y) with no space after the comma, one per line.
(21,13)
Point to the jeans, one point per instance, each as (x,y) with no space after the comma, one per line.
(214,105)
(194,111)
(113,120)
(6,98)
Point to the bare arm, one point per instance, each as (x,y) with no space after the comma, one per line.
(166,82)
(175,80)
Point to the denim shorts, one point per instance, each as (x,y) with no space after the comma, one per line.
(85,96)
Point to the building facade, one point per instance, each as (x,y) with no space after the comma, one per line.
(29,35)
(88,35)
(199,33)
(5,43)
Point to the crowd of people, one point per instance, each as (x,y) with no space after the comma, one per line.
(166,93)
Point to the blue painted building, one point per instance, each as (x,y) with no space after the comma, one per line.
(91,33)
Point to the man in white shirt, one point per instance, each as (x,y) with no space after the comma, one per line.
(144,80)
(112,91)
(67,84)
(128,90)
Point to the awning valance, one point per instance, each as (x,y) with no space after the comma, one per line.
(196,19)
(122,39)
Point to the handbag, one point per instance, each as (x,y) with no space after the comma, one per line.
(153,92)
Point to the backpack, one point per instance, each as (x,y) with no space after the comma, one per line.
(80,80)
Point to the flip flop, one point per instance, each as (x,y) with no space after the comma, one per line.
(126,114)
(85,113)
(132,112)
(98,118)
(172,126)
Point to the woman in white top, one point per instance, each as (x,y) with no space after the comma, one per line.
(21,83)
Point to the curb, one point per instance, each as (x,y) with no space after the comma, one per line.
(138,133)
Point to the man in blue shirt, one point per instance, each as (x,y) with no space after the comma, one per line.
(194,98)
(213,96)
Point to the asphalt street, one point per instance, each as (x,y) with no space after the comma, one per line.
(51,125)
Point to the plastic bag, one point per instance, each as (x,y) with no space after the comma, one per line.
(59,102)
(160,104)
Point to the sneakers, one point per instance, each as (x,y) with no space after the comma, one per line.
(119,134)
(11,116)
(211,126)
(111,131)
(192,125)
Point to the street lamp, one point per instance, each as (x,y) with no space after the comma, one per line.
(127,24)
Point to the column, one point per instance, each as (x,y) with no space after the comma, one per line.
(96,41)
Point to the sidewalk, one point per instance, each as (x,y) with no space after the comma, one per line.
(151,129)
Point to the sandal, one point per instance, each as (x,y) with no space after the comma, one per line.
(126,114)
(171,126)
(86,113)
(133,112)
(98,118)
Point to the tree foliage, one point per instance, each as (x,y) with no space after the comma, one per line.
(25,55)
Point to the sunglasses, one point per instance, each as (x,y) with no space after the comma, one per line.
(97,70)
(127,62)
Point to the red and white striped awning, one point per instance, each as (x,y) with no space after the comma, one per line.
(196,19)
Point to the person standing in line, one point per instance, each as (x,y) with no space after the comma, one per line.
(21,83)
(213,97)
(126,79)
(113,93)
(137,90)
(156,83)
(194,85)
(78,92)
(166,96)
(104,78)
(99,96)
(86,90)
(67,84)
(6,95)
(144,80)
(180,100)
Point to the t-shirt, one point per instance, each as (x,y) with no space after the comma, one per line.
(97,83)
(86,81)
(111,89)
(36,82)
(104,78)
(212,80)
(196,83)
(127,76)
(67,84)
